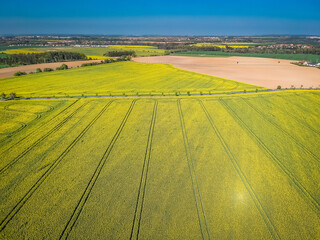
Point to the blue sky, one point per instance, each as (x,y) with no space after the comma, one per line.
(202,17)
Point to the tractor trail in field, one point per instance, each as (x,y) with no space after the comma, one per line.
(281,129)
(38,128)
(25,198)
(272,229)
(78,209)
(54,129)
(196,190)
(144,176)
(303,123)
(307,196)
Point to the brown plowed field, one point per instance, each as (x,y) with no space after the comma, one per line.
(8,72)
(264,72)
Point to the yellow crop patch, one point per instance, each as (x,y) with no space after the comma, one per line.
(21,51)
(242,166)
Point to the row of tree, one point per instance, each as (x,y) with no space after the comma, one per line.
(121,53)
(47,57)
(64,66)
(177,47)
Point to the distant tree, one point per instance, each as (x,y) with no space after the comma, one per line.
(48,70)
(62,67)
(120,53)
(12,95)
(3,96)
(279,87)
(20,73)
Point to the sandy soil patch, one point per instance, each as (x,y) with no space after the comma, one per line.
(264,72)
(9,72)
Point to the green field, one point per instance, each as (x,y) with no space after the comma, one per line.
(297,57)
(118,79)
(230,167)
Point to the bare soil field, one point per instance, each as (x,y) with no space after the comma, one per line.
(264,72)
(9,72)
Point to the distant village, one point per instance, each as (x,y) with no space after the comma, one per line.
(307,64)
(285,46)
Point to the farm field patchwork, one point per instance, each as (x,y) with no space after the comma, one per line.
(228,167)
(266,72)
(119,79)
(295,57)
(96,51)
(223,45)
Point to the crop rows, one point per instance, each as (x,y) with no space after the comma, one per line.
(163,168)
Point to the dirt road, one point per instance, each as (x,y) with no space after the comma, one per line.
(264,72)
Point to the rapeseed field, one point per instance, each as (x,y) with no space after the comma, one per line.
(211,167)
(123,78)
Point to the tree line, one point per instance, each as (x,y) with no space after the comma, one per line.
(121,53)
(178,47)
(47,57)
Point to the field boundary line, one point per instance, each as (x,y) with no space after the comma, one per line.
(196,190)
(39,127)
(117,95)
(308,197)
(144,176)
(53,165)
(272,229)
(39,140)
(264,116)
(85,195)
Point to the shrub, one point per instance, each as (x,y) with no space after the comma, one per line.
(38,70)
(48,70)
(279,87)
(20,73)
(62,67)
(188,93)
(12,95)
(3,96)
(244,91)
(89,64)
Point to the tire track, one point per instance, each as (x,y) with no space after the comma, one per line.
(196,190)
(308,197)
(53,165)
(28,149)
(39,127)
(272,229)
(301,106)
(22,126)
(144,176)
(294,117)
(82,201)
(264,116)
(309,99)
